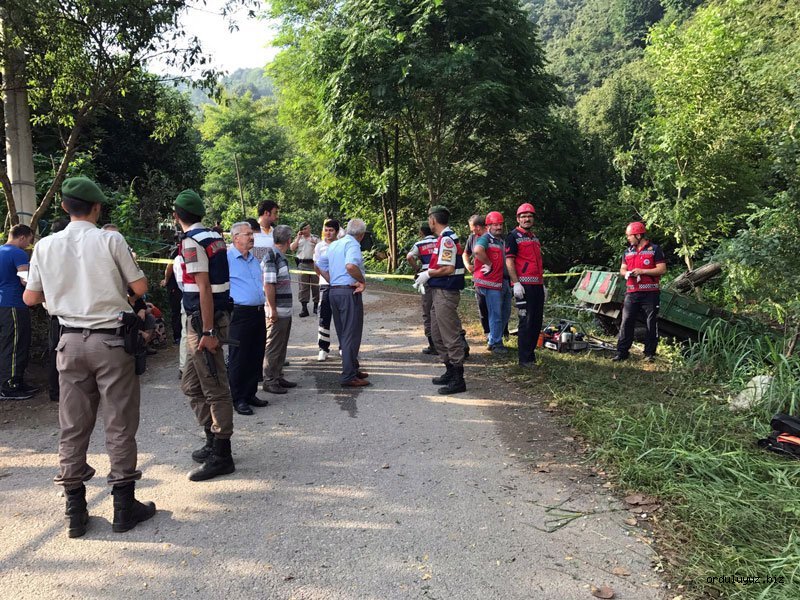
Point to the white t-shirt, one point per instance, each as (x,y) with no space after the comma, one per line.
(320,250)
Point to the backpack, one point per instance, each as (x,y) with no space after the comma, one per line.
(785,436)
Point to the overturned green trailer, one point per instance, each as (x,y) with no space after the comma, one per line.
(680,316)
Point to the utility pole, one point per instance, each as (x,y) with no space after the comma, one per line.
(19,143)
(239,181)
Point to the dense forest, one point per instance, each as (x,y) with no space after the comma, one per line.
(681,113)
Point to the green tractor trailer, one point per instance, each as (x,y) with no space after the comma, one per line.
(680,316)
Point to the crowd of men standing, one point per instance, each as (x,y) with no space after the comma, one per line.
(231,295)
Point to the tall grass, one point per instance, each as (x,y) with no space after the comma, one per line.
(734,354)
(730,508)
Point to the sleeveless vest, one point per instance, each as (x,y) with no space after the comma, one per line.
(425,247)
(456,280)
(218,273)
(641,259)
(528,259)
(492,280)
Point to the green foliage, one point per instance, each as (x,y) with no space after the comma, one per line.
(244,132)
(669,433)
(399,105)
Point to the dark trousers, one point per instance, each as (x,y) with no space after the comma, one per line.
(15,343)
(324,329)
(248,327)
(531,324)
(175,297)
(348,318)
(53,336)
(645,303)
(483,311)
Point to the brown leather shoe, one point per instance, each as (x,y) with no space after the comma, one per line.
(362,374)
(286,384)
(355,383)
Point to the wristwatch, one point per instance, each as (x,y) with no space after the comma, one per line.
(210,333)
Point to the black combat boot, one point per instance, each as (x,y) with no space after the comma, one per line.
(304,312)
(445,377)
(466,344)
(128,511)
(316,308)
(76,512)
(431,349)
(456,384)
(219,463)
(203,453)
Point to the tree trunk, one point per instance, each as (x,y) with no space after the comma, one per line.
(5,183)
(395,197)
(69,153)
(20,179)
(692,279)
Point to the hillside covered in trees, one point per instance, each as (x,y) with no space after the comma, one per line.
(681,113)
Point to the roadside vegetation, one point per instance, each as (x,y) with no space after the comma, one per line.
(728,508)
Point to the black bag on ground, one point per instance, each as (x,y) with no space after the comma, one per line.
(786,424)
(785,436)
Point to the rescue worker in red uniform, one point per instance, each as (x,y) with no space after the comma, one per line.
(444,278)
(643,264)
(490,281)
(524,262)
(419,258)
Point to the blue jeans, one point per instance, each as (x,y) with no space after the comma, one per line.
(498,302)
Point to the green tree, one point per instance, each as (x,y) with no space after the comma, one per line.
(418,92)
(82,55)
(243,147)
(704,149)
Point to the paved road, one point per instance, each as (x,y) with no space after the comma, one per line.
(387,492)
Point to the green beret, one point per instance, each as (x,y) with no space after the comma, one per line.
(191,202)
(439,208)
(83,188)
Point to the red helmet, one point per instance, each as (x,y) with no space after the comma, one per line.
(635,228)
(494,218)
(526,208)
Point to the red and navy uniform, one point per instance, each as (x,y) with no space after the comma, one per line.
(647,257)
(425,248)
(218,273)
(447,251)
(642,297)
(526,250)
(495,251)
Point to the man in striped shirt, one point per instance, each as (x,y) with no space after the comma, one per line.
(278,291)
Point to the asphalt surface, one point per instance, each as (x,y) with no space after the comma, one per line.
(385,492)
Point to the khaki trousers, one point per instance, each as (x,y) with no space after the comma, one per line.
(210,397)
(95,371)
(427,302)
(309,284)
(277,343)
(446,325)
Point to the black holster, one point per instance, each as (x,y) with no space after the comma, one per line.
(134,344)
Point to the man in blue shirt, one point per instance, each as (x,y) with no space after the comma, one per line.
(15,318)
(343,267)
(248,325)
